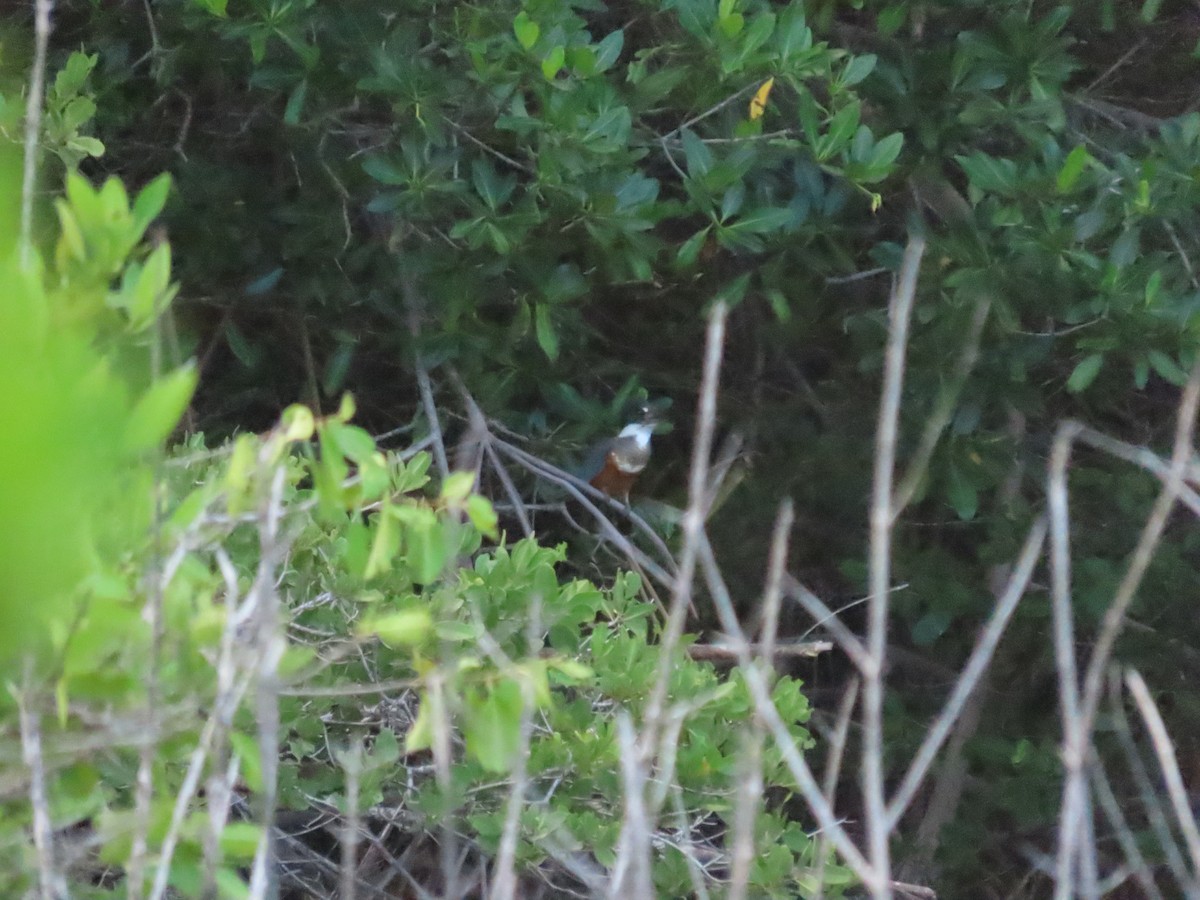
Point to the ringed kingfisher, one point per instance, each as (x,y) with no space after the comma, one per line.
(614,465)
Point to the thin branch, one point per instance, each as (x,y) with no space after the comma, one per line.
(1064,654)
(1125,836)
(637,558)
(1078,727)
(504,886)
(581,490)
(33,124)
(1145,786)
(882,518)
(1168,764)
(507,160)
(631,871)
(412,301)
(712,110)
(352,765)
(942,411)
(50,886)
(1144,458)
(693,520)
(980,659)
(1156,523)
(776,570)
(764,707)
(725,652)
(823,615)
(750,782)
(269,645)
(833,769)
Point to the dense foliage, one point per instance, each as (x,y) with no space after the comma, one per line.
(542,198)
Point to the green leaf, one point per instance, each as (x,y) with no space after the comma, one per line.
(762,220)
(420,733)
(483,515)
(298,423)
(809,118)
(1072,168)
(159,409)
(731,25)
(547,338)
(457,487)
(385,543)
(384,171)
(1167,368)
(732,293)
(699,156)
(353,442)
(89,146)
(407,628)
(841,129)
(295,104)
(150,201)
(990,174)
(1141,373)
(608,51)
(526,30)
(886,150)
(493,725)
(962,495)
(690,251)
(264,283)
(493,189)
(239,841)
(930,627)
(1153,286)
(1085,373)
(151,292)
(792,36)
(426,547)
(858,69)
(247,748)
(553,62)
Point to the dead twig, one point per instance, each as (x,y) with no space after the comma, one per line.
(33,124)
(1169,766)
(977,664)
(879,565)
(692,525)
(1078,722)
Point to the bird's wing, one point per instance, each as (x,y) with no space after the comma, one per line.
(595,459)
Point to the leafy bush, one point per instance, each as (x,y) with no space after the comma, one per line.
(211,617)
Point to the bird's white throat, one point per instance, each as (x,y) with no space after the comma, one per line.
(640,432)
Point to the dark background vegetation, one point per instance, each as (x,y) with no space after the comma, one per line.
(362,183)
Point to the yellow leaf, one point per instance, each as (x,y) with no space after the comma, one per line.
(758,104)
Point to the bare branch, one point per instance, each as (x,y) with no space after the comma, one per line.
(942,411)
(882,517)
(693,521)
(33,124)
(980,659)
(631,871)
(1064,650)
(833,769)
(824,616)
(50,884)
(1125,835)
(764,707)
(1078,723)
(414,305)
(1168,764)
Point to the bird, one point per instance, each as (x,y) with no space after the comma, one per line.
(616,462)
